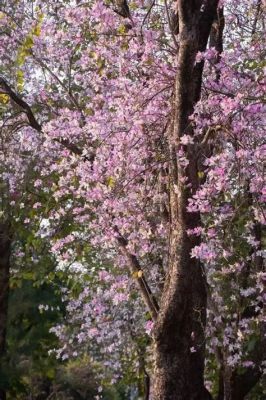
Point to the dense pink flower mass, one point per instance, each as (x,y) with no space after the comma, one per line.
(101,88)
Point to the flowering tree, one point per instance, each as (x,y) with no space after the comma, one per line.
(149,127)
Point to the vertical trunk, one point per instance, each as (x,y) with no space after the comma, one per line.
(179,334)
(5,244)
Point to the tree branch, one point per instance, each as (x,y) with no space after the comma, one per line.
(258,10)
(36,125)
(206,18)
(135,269)
(122,8)
(21,103)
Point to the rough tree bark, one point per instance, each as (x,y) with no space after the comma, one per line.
(5,245)
(179,372)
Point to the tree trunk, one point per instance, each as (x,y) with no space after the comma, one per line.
(5,245)
(179,330)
